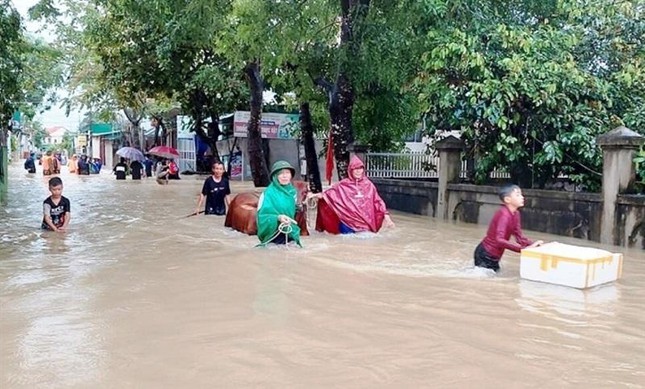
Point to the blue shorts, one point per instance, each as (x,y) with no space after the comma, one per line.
(344,229)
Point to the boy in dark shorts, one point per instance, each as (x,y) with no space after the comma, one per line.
(505,223)
(215,191)
(56,208)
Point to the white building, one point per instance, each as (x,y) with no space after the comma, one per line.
(54,135)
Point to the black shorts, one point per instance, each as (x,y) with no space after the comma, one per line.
(484,259)
(215,211)
(280,239)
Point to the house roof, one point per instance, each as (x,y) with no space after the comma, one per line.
(55,131)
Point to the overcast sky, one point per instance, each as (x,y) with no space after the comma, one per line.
(55,116)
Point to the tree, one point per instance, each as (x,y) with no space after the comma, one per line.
(273,42)
(11,64)
(520,83)
(165,50)
(341,90)
(80,69)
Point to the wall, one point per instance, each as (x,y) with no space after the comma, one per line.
(561,213)
(418,197)
(630,221)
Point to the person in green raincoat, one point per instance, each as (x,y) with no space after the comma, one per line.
(277,207)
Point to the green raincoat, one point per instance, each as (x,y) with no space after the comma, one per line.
(277,200)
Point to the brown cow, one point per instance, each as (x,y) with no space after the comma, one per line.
(242,211)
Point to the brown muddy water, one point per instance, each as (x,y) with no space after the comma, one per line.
(136,296)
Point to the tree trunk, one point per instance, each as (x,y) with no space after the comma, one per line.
(134,118)
(307,130)
(156,141)
(341,93)
(164,133)
(259,168)
(341,107)
(213,135)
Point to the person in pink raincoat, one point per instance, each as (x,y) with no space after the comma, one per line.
(352,205)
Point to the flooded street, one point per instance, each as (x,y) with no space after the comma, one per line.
(136,295)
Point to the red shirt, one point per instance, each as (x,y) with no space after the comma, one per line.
(504,224)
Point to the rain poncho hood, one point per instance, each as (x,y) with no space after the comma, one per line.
(277,200)
(356,202)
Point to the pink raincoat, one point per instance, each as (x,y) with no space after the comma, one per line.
(355,203)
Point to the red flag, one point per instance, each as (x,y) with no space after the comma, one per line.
(329,162)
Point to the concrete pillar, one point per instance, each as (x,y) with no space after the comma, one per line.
(358,150)
(619,147)
(449,149)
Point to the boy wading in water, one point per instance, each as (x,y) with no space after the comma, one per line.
(215,191)
(505,223)
(56,208)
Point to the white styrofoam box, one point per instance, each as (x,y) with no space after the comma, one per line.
(568,265)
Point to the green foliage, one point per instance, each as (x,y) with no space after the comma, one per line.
(38,134)
(28,70)
(14,142)
(164,50)
(526,93)
(530,84)
(67,143)
(11,48)
(41,75)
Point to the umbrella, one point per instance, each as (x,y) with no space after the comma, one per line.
(130,153)
(164,152)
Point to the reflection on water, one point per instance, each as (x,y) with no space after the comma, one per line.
(138,295)
(562,301)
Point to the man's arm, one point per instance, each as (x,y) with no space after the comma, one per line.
(227,201)
(68,217)
(200,200)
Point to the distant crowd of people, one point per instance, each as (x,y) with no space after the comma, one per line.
(84,165)
(52,162)
(164,169)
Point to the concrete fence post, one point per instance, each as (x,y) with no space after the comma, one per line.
(449,149)
(619,147)
(358,150)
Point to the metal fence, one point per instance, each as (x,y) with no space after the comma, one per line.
(401,165)
(411,165)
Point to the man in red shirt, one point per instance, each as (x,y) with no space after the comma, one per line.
(505,223)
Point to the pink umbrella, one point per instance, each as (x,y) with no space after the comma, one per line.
(164,152)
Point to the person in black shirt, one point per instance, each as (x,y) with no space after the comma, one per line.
(136,168)
(120,169)
(56,208)
(215,191)
(30,165)
(148,164)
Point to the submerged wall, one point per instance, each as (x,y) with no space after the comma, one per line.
(613,216)
(576,215)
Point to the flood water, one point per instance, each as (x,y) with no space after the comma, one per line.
(136,295)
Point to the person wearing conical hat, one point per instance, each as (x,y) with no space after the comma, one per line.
(277,208)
